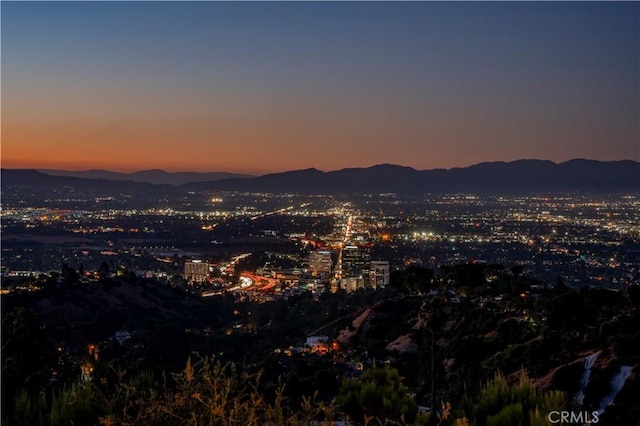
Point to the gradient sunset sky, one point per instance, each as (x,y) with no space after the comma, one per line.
(266,87)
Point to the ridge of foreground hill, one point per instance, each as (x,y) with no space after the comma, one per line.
(101,308)
(453,329)
(473,341)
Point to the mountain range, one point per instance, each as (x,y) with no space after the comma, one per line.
(155,176)
(521,176)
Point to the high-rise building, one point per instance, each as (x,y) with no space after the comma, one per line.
(352,284)
(355,262)
(196,271)
(320,263)
(379,274)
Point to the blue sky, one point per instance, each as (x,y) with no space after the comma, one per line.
(260,86)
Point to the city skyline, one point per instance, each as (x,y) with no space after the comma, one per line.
(268,87)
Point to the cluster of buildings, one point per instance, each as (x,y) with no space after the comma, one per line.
(584,240)
(343,261)
(357,270)
(349,269)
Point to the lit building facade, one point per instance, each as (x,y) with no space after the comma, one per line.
(355,262)
(352,284)
(320,263)
(379,274)
(196,271)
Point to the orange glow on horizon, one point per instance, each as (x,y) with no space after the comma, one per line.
(270,88)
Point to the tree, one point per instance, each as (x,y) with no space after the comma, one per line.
(517,270)
(69,275)
(26,356)
(634,295)
(500,403)
(414,278)
(104,270)
(378,394)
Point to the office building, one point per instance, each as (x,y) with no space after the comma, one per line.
(196,271)
(355,262)
(320,263)
(379,274)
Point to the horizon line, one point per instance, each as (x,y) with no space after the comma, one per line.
(248,174)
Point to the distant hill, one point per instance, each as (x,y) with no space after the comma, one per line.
(522,176)
(155,176)
(27,177)
(516,177)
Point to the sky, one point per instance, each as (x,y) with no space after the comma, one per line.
(261,87)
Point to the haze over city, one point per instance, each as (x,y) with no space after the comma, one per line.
(267,87)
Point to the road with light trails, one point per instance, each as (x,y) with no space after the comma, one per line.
(279,211)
